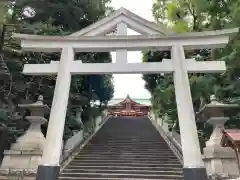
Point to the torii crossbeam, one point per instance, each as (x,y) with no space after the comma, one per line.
(210,39)
(79,68)
(198,40)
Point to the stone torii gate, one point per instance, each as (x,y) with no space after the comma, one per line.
(93,39)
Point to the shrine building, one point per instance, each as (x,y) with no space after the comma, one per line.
(129,107)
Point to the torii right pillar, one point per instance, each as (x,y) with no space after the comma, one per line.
(193,164)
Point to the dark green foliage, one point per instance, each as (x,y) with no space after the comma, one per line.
(71,15)
(49,17)
(198,15)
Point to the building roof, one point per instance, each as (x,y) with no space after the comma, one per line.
(133,21)
(139,101)
(230,137)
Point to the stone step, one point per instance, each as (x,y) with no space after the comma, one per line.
(127,160)
(127,145)
(134,164)
(156,172)
(134,137)
(134,150)
(105,167)
(141,144)
(119,175)
(107,144)
(103,178)
(116,142)
(126,148)
(119,153)
(129,140)
(125,157)
(126,151)
(133,134)
(146,148)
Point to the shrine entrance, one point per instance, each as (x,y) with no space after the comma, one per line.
(128,107)
(93,39)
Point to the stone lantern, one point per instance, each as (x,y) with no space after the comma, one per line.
(27,151)
(77,104)
(217,159)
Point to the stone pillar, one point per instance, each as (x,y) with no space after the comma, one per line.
(218,159)
(121,54)
(193,164)
(49,168)
(164,123)
(98,121)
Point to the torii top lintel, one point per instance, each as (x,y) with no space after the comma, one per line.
(132,20)
(153,36)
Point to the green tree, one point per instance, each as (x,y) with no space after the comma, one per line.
(198,15)
(48,17)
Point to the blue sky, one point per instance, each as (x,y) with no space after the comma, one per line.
(126,83)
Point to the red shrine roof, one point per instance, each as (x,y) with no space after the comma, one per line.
(128,100)
(230,136)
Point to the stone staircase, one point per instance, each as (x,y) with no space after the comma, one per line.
(125,148)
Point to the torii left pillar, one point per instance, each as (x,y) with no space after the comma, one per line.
(49,168)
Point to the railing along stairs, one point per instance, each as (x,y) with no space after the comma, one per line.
(87,136)
(170,138)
